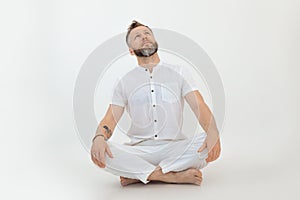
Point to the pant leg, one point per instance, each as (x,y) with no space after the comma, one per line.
(127,163)
(182,155)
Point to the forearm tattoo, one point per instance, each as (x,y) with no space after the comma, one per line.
(108,131)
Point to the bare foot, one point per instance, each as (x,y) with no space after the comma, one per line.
(193,176)
(127,181)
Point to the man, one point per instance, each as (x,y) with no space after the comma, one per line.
(153,94)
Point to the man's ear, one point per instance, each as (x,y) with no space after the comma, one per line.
(131,51)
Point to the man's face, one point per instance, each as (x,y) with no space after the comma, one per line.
(142,42)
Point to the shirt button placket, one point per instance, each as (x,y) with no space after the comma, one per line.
(153,97)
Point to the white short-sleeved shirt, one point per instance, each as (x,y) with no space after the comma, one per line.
(154,101)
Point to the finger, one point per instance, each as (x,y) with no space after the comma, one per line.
(214,154)
(93,156)
(202,147)
(109,152)
(211,153)
(96,156)
(93,159)
(218,153)
(216,144)
(102,158)
(97,162)
(209,158)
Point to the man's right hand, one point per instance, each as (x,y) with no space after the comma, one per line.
(98,150)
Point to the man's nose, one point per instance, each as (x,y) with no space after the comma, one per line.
(144,36)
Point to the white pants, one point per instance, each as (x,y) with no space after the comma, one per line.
(140,160)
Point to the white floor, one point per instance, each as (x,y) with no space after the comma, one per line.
(62,170)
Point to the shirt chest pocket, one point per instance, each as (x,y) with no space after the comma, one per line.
(170,93)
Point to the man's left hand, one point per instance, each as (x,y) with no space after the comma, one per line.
(214,148)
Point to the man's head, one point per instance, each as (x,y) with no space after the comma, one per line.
(140,40)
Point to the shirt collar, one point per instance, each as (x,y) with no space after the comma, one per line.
(144,69)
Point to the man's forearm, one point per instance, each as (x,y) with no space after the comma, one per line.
(207,120)
(110,120)
(106,128)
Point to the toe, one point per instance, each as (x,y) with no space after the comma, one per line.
(198,182)
(198,174)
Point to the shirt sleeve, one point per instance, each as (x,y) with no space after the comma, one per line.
(118,96)
(188,82)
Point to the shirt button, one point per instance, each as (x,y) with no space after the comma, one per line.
(155,120)
(150,76)
(153,105)
(146,69)
(155,135)
(152,90)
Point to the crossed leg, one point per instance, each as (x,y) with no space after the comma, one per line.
(191,176)
(183,170)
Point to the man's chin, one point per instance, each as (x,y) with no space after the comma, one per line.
(145,52)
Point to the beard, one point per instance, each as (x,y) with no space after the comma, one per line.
(146,52)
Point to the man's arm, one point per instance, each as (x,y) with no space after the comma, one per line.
(207,121)
(100,147)
(111,118)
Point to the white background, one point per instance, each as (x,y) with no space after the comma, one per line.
(254,44)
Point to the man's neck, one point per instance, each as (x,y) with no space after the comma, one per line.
(149,62)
